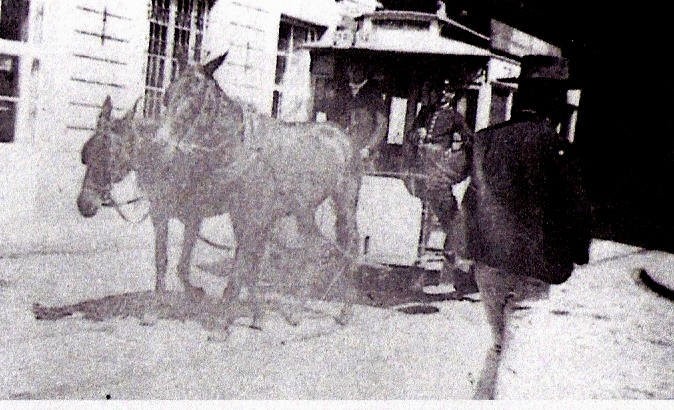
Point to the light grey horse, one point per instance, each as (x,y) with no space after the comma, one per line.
(210,155)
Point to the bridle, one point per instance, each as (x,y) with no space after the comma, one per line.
(104,190)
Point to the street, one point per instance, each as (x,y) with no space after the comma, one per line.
(601,335)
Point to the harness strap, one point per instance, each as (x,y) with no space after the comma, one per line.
(247,153)
(117,207)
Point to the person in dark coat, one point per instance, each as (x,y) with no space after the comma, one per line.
(528,218)
(361,112)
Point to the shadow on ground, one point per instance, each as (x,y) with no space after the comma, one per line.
(401,285)
(380,288)
(144,305)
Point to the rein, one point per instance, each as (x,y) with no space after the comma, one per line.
(117,207)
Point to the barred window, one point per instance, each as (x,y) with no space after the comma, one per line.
(176,31)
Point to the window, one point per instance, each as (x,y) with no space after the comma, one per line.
(9,95)
(14,20)
(501,100)
(13,27)
(176,30)
(466,104)
(292,34)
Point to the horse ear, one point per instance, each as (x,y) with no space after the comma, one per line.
(210,67)
(132,112)
(106,110)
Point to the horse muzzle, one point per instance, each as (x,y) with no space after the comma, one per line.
(89,202)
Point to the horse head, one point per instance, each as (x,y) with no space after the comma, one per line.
(187,95)
(106,155)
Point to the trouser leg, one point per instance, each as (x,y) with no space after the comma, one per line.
(496,289)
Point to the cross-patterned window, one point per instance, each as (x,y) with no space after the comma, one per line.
(176,31)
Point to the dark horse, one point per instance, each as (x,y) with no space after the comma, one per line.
(210,155)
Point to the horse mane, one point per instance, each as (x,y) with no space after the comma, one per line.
(203,116)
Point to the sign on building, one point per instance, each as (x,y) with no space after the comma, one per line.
(518,43)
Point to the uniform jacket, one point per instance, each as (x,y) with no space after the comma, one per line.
(526,211)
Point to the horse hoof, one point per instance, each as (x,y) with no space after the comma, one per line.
(291,317)
(292,320)
(219,336)
(149,320)
(256,325)
(345,316)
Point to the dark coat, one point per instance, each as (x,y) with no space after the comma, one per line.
(526,210)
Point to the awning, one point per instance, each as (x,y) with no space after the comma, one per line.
(405,32)
(439,46)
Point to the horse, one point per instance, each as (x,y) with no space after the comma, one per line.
(275,169)
(226,159)
(119,146)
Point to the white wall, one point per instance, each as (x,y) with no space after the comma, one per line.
(41,169)
(42,172)
(62,110)
(249,30)
(61,45)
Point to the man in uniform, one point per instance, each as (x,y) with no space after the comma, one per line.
(528,218)
(440,132)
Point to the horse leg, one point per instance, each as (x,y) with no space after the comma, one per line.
(189,240)
(251,239)
(496,288)
(311,240)
(160,224)
(252,214)
(345,201)
(160,251)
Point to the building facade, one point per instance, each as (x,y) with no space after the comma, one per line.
(60,59)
